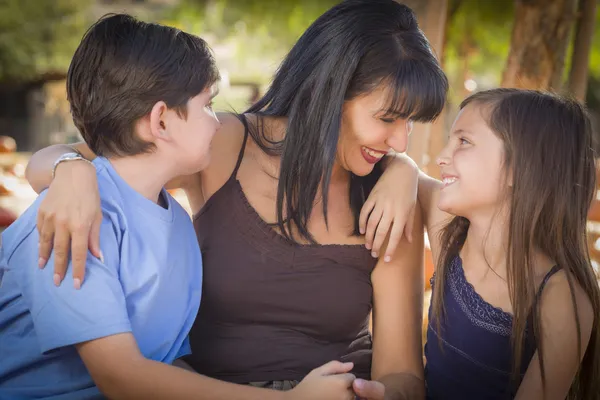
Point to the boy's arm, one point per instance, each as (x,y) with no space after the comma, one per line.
(95,320)
(121,372)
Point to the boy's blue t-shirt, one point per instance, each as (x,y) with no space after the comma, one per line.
(149,283)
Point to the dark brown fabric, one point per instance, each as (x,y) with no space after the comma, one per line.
(273,310)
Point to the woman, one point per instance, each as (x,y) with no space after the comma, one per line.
(288,282)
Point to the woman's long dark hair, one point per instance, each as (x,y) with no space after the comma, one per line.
(350,50)
(548,146)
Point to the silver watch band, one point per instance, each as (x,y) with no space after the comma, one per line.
(71,156)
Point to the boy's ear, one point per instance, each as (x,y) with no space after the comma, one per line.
(158,121)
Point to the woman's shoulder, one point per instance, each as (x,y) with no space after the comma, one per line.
(226,144)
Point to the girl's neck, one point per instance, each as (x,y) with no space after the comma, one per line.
(487,243)
(486,246)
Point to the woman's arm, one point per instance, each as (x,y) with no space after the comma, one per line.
(434,218)
(39,168)
(389,210)
(69,216)
(398,318)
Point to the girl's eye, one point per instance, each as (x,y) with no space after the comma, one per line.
(388,120)
(463,141)
(210,105)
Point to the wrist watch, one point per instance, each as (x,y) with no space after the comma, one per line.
(72,156)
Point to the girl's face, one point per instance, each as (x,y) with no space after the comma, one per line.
(367,134)
(472,167)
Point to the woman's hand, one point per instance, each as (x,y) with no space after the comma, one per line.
(391,205)
(69,219)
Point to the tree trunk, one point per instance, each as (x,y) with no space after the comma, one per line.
(431,15)
(584,32)
(538,44)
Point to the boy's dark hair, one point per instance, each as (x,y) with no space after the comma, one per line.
(122,68)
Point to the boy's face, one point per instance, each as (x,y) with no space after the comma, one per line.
(192,135)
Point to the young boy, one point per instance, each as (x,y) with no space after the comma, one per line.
(141,96)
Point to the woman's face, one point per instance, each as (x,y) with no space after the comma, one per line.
(367,133)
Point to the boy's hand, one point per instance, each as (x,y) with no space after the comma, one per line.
(331,381)
(391,205)
(69,219)
(369,390)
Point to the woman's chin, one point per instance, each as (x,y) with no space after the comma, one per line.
(362,169)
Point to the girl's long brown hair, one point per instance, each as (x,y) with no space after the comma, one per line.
(548,147)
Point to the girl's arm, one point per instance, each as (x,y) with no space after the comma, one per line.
(559,331)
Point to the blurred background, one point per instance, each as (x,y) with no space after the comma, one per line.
(539,44)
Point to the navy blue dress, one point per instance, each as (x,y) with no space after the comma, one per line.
(474,359)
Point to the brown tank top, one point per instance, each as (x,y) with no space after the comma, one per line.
(272,309)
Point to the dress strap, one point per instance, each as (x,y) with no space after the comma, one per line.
(554,270)
(242,118)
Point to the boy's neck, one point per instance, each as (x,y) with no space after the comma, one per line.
(142,174)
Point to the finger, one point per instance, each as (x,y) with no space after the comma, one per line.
(94,238)
(40,228)
(61,252)
(364,215)
(408,228)
(334,367)
(371,390)
(79,248)
(395,237)
(381,234)
(41,216)
(46,241)
(374,219)
(346,379)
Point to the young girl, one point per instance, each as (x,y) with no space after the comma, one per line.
(515,299)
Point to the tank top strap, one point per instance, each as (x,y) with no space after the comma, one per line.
(552,271)
(242,118)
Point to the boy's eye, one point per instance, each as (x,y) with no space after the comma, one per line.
(463,141)
(210,105)
(388,120)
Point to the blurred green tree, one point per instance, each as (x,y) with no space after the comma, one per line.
(38,37)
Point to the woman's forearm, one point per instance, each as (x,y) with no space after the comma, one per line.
(39,168)
(428,197)
(403,386)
